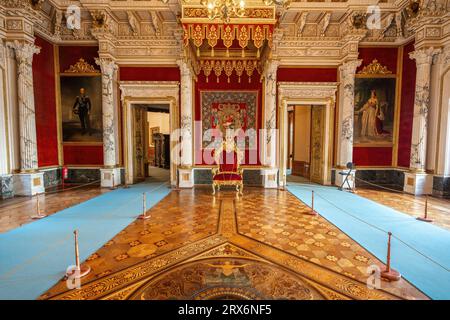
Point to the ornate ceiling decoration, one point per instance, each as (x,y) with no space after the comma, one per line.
(261,14)
(228,67)
(243,34)
(226,10)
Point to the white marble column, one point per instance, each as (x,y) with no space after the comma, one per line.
(24,53)
(186,179)
(28,181)
(268,146)
(4,153)
(441,178)
(417,181)
(345,117)
(110,174)
(6,179)
(283,138)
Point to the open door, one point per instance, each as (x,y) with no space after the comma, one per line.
(318,150)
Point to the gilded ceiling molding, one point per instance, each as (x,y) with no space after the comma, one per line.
(228,66)
(198,32)
(201,14)
(82,67)
(374,68)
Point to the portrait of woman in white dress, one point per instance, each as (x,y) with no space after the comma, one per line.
(374,111)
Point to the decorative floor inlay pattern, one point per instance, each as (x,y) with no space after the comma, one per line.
(191,249)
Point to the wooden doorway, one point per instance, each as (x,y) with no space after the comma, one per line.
(312,94)
(308,156)
(290,139)
(301,151)
(318,153)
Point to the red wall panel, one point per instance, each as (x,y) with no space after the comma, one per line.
(223,85)
(69,55)
(149,74)
(80,154)
(380,156)
(83,155)
(307,74)
(407,106)
(376,156)
(45,104)
(385,56)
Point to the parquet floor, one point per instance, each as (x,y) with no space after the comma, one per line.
(261,245)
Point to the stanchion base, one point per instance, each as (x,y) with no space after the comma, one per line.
(390,275)
(310,213)
(424,219)
(84,271)
(143,217)
(38,217)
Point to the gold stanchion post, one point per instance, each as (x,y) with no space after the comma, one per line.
(125,184)
(38,210)
(113,182)
(144,215)
(311,212)
(388,273)
(80,270)
(425,215)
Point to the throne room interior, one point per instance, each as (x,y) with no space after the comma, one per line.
(114,121)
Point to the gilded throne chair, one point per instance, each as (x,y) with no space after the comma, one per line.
(228,172)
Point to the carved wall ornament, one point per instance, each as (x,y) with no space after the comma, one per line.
(325,23)
(133,23)
(82,67)
(399,24)
(374,68)
(358,20)
(98,19)
(302,22)
(155,23)
(413,8)
(36,4)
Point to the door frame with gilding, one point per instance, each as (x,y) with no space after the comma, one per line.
(306,93)
(149,92)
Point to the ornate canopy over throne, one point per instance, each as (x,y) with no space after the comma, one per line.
(228,158)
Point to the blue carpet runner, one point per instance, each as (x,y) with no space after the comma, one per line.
(35,256)
(420,251)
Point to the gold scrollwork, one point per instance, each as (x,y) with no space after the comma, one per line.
(82,67)
(375,68)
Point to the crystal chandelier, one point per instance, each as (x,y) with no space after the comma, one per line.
(224,9)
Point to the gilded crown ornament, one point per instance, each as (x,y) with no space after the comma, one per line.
(82,67)
(375,68)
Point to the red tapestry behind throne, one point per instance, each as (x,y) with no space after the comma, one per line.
(222,110)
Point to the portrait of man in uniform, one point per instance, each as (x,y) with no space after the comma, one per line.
(81,108)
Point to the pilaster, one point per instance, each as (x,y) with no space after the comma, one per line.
(110,121)
(345,116)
